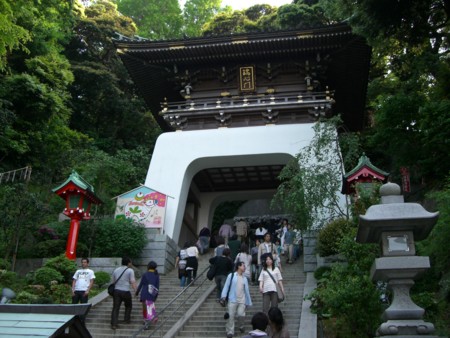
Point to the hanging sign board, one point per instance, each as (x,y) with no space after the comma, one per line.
(142,205)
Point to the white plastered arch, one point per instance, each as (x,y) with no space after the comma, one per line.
(178,156)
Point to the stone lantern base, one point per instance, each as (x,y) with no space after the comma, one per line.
(405,328)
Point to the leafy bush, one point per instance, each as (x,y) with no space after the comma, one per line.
(25,297)
(321,272)
(47,276)
(102,278)
(50,248)
(347,293)
(4,264)
(7,278)
(61,293)
(329,237)
(352,299)
(117,238)
(64,266)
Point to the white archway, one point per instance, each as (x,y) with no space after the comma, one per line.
(178,156)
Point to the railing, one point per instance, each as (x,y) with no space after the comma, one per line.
(246,102)
(175,310)
(23,174)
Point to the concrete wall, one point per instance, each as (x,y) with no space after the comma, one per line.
(309,251)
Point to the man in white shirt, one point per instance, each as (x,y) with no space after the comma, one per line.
(82,282)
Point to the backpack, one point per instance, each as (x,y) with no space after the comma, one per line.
(183,254)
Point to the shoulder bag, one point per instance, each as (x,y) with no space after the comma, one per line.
(280,294)
(223,301)
(112,286)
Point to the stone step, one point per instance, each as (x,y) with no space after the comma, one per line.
(208,320)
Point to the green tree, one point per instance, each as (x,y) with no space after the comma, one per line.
(253,19)
(14,36)
(408,92)
(22,209)
(104,100)
(302,14)
(311,182)
(157,19)
(198,12)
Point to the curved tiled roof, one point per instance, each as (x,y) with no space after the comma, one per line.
(150,62)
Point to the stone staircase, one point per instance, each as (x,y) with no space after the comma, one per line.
(208,320)
(201,315)
(99,317)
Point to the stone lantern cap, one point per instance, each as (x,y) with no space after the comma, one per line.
(394,215)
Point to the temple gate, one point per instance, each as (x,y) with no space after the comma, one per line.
(235,109)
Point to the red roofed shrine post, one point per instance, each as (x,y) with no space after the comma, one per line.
(79,195)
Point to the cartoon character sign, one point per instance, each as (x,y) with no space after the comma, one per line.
(142,205)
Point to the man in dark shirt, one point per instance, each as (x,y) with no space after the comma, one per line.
(235,246)
(223,265)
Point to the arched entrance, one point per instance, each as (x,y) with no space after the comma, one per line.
(179,156)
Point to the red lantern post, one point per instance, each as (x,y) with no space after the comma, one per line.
(79,196)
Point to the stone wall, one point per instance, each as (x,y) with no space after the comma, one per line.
(309,251)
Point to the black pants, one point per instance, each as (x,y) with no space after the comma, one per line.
(79,297)
(191,262)
(119,297)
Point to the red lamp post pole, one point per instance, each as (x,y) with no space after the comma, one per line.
(72,240)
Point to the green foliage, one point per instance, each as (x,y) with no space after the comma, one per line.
(359,257)
(47,277)
(353,300)
(310,184)
(436,245)
(25,297)
(4,264)
(196,13)
(49,248)
(15,37)
(61,293)
(7,278)
(329,237)
(366,196)
(23,207)
(322,272)
(157,19)
(102,278)
(346,293)
(118,238)
(302,15)
(256,18)
(63,265)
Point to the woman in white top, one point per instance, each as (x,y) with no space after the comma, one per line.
(267,285)
(191,263)
(243,256)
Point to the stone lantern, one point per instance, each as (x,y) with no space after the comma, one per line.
(396,225)
(79,196)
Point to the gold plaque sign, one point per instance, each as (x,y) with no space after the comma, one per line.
(247,79)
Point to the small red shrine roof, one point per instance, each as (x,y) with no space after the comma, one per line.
(75,181)
(364,171)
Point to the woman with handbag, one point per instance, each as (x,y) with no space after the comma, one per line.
(270,280)
(149,288)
